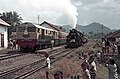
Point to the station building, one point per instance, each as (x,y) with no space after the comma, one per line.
(3,34)
(113,36)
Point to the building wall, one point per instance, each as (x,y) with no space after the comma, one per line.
(3,30)
(5,39)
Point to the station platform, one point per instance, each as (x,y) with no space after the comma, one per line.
(2,48)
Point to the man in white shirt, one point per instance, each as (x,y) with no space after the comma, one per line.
(52,43)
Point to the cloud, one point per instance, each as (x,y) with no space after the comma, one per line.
(47,9)
(65,11)
(106,12)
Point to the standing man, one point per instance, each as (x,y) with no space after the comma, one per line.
(107,45)
(14,44)
(103,46)
(52,43)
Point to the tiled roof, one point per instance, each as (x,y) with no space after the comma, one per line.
(114,34)
(118,34)
(53,26)
(3,23)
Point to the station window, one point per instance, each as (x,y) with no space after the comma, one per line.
(38,30)
(46,31)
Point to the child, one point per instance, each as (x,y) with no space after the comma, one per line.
(86,73)
(58,75)
(47,60)
(92,72)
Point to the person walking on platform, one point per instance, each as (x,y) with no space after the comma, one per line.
(112,67)
(52,43)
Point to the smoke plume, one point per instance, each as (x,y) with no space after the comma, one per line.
(52,10)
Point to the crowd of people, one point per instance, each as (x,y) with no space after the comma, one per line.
(110,45)
(89,67)
(89,70)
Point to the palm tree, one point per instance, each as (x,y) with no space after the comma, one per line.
(12,18)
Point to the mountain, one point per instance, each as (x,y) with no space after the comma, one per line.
(93,27)
(113,30)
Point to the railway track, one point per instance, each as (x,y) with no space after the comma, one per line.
(59,56)
(3,55)
(10,56)
(7,74)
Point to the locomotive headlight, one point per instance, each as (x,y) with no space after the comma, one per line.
(26,34)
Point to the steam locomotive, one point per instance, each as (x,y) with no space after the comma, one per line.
(75,39)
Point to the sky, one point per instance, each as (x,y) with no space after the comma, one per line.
(63,12)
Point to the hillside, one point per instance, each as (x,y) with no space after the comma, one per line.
(95,27)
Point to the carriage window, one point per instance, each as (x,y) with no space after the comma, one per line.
(21,29)
(31,29)
(54,33)
(50,32)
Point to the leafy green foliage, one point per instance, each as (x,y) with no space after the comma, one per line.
(12,18)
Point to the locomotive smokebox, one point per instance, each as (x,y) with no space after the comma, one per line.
(73,30)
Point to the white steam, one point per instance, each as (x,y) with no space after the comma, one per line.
(52,9)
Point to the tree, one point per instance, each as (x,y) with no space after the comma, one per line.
(91,33)
(12,18)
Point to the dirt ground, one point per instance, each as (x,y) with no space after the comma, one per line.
(71,66)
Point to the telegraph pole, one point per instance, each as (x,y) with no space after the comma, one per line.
(38,18)
(102,30)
